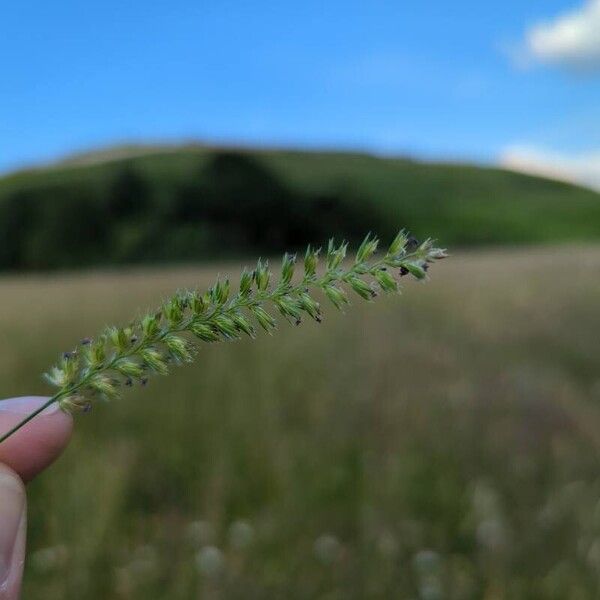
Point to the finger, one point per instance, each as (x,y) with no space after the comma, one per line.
(13,516)
(39,442)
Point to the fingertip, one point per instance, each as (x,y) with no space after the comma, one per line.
(39,442)
(13,518)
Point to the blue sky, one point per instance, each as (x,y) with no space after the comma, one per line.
(465,80)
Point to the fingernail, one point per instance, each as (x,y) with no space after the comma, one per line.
(12,507)
(27,404)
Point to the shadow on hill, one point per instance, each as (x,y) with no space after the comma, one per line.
(233,204)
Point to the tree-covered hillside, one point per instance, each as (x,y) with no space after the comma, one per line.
(194,203)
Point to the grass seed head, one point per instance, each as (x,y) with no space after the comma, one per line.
(121,356)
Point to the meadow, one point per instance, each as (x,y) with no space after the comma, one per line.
(440,445)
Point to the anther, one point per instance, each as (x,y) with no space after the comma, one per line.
(412,244)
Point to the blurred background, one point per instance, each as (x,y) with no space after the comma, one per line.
(439,446)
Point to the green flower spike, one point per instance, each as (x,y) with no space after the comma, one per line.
(100,368)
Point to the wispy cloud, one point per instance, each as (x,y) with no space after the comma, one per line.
(583,169)
(571,39)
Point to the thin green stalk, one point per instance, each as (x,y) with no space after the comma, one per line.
(29,417)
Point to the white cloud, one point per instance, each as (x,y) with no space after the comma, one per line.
(583,169)
(572,39)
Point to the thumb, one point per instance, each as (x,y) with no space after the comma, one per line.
(13,516)
(37,444)
(28,452)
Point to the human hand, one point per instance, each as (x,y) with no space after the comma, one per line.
(22,457)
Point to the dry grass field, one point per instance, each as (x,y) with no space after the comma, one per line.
(441,445)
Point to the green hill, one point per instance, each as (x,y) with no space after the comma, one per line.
(187,203)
